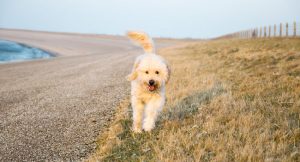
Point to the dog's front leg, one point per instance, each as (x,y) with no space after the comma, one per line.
(138,111)
(151,112)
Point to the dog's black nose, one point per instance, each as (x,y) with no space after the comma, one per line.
(151,82)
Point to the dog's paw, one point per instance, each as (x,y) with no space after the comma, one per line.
(148,127)
(136,130)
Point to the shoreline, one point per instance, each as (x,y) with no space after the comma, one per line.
(50,53)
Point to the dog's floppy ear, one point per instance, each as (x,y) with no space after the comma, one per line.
(142,39)
(132,76)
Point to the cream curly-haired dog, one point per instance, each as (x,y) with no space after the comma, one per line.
(148,78)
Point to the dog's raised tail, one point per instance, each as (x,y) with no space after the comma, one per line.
(142,39)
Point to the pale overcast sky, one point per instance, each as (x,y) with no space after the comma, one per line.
(165,18)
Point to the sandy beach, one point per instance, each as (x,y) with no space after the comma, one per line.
(54,109)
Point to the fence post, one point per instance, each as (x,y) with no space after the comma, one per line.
(260,32)
(247,33)
(274,30)
(265,31)
(280,30)
(287,29)
(270,31)
(295,32)
(256,33)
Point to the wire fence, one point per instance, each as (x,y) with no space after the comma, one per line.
(271,31)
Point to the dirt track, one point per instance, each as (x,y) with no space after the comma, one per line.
(54,109)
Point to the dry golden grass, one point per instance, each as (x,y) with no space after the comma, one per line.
(228,100)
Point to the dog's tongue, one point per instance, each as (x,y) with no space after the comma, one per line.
(151,88)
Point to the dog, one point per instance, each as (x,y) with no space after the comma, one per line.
(149,76)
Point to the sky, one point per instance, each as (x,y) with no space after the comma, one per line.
(159,18)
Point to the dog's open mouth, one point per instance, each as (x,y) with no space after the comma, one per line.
(151,87)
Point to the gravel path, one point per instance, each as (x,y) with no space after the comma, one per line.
(54,109)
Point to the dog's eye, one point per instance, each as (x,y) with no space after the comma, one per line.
(157,72)
(147,72)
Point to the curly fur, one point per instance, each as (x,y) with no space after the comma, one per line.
(147,100)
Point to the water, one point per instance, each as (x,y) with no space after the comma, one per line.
(11,51)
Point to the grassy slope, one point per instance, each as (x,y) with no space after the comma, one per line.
(228,100)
